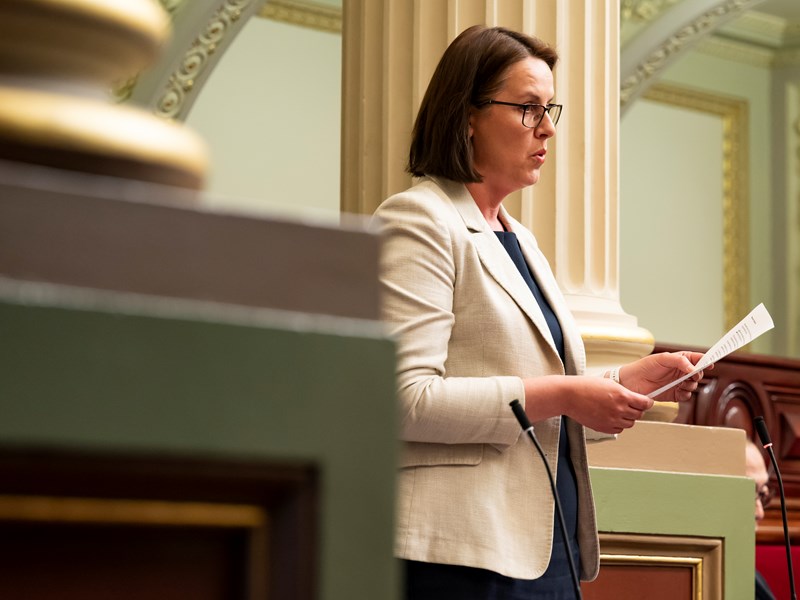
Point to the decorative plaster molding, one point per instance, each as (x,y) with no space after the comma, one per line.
(788,58)
(643,11)
(756,39)
(123,90)
(749,54)
(736,51)
(304,13)
(171,6)
(757,28)
(681,40)
(792,34)
(735,186)
(196,59)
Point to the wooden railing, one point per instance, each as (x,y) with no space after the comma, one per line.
(740,388)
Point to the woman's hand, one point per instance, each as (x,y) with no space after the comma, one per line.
(600,404)
(603,407)
(652,372)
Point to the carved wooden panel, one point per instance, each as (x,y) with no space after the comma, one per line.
(744,386)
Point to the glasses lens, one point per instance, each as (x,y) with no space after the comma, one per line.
(534,114)
(554,110)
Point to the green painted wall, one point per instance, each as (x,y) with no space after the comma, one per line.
(153,376)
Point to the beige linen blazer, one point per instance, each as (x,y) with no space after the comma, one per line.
(472,490)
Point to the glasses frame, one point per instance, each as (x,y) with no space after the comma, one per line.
(765,494)
(526,107)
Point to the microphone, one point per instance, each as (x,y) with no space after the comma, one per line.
(525,423)
(763,434)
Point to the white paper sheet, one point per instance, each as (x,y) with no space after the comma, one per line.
(744,332)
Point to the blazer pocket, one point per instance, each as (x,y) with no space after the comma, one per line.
(417,454)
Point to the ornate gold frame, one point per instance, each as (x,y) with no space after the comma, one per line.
(735,186)
(702,555)
(693,562)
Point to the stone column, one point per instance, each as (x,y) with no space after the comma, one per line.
(391,48)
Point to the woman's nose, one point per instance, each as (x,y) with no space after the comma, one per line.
(546,129)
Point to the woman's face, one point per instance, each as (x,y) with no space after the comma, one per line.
(508,154)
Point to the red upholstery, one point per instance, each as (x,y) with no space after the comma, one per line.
(771,563)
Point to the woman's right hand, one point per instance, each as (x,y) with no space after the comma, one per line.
(598,403)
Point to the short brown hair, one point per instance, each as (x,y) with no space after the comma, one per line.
(470,71)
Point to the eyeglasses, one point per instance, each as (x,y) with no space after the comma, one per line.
(765,495)
(532,114)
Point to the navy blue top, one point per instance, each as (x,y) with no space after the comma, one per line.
(558,571)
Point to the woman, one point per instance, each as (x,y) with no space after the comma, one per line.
(480,322)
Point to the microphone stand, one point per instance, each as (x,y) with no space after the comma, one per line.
(763,434)
(525,423)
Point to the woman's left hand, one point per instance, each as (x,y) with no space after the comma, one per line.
(656,370)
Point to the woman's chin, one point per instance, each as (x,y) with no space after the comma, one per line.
(533,178)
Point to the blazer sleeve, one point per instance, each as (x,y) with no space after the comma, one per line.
(418,278)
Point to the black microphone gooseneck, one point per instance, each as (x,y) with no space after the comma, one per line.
(525,423)
(763,434)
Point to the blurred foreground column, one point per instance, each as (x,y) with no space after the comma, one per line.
(58,63)
(179,385)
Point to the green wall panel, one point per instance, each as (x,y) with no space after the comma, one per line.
(654,502)
(156,376)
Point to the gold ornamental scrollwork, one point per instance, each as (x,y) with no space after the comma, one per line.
(196,58)
(735,187)
(304,13)
(660,56)
(122,90)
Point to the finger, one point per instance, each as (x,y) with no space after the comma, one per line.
(692,357)
(640,403)
(633,415)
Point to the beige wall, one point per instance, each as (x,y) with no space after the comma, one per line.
(671,222)
(666,158)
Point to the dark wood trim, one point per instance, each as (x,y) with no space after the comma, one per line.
(282,555)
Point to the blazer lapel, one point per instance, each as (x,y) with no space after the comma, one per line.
(573,343)
(495,259)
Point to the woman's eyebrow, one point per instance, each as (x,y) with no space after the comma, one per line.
(536,99)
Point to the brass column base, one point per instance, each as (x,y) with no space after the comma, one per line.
(89,135)
(59,59)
